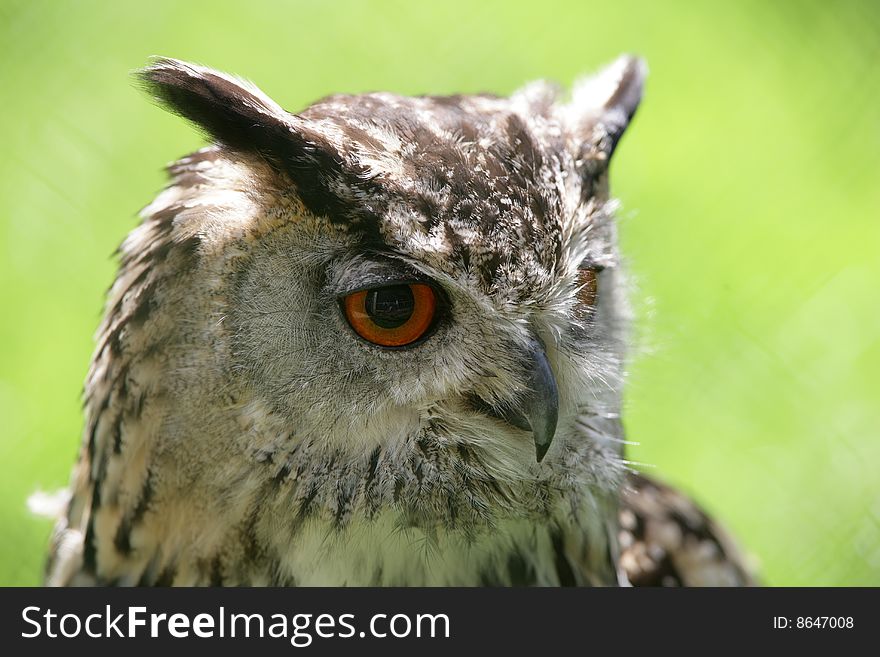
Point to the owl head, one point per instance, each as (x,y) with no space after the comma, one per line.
(361,327)
(391,307)
(378,271)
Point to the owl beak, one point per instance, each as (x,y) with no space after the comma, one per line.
(540,405)
(538,409)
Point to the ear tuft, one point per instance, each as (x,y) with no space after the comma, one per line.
(229,110)
(603,105)
(236,114)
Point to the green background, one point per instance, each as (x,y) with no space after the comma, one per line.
(750,192)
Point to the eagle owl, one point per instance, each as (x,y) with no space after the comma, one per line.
(380,341)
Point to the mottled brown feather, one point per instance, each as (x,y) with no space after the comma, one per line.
(666,539)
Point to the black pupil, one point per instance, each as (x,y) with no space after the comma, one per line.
(390,307)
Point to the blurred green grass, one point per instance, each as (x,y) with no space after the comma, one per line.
(750,221)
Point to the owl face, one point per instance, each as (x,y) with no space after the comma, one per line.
(390,269)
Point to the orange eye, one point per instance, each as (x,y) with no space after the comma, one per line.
(392,316)
(588,287)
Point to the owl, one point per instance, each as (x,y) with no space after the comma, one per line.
(377,342)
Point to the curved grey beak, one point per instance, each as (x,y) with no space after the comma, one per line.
(538,410)
(541,403)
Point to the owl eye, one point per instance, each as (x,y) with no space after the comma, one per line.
(588,286)
(391,316)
